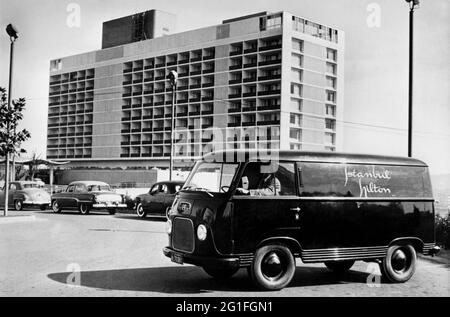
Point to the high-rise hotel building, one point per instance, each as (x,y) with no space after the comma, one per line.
(268,80)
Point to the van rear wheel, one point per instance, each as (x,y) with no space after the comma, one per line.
(220,274)
(399,264)
(339,266)
(273,267)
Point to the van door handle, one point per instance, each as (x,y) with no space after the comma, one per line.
(298,209)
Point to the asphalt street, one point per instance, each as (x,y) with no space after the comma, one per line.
(101,255)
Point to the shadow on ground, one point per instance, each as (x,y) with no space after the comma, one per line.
(192,280)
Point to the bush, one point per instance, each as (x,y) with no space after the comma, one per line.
(443,231)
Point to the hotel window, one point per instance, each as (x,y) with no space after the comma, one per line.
(331,82)
(296,90)
(296,105)
(296,119)
(331,96)
(297,60)
(298,24)
(330,124)
(295,134)
(329,138)
(297,45)
(330,110)
(292,118)
(331,68)
(331,54)
(296,75)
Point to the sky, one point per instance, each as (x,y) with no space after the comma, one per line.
(376,61)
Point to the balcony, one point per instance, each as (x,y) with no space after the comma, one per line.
(197,86)
(160,78)
(248,109)
(160,90)
(269,92)
(236,52)
(194,113)
(136,155)
(207,112)
(233,96)
(272,107)
(180,75)
(251,50)
(196,72)
(269,77)
(184,61)
(249,65)
(207,98)
(233,67)
(147,105)
(234,110)
(196,99)
(125,155)
(249,79)
(270,47)
(181,88)
(137,81)
(136,143)
(209,71)
(249,124)
(147,129)
(136,118)
(149,117)
(171,63)
(269,62)
(124,107)
(137,93)
(206,85)
(125,131)
(234,124)
(249,94)
(146,80)
(270,122)
(182,101)
(138,69)
(196,59)
(235,81)
(126,95)
(136,130)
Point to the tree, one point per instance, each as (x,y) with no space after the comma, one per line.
(9,141)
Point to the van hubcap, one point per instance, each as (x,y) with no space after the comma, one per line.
(400,261)
(273,266)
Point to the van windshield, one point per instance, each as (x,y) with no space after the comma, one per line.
(211,177)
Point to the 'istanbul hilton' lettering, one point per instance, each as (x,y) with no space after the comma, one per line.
(371,187)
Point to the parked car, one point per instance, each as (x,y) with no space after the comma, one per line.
(86,196)
(260,211)
(26,194)
(157,201)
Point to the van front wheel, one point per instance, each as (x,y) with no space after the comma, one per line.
(273,267)
(339,266)
(399,264)
(220,274)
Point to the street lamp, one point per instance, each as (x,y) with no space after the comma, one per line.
(413,4)
(13,36)
(173,78)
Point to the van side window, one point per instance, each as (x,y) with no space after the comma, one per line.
(286,175)
(262,179)
(364,181)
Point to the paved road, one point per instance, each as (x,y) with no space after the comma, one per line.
(121,256)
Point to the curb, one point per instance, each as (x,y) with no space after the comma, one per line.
(16,219)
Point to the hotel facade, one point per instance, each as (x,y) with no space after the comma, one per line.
(268,80)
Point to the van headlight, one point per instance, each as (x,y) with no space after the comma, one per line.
(169,226)
(202,232)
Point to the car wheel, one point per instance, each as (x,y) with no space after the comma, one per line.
(220,274)
(140,211)
(112,211)
(273,267)
(339,266)
(399,264)
(56,207)
(167,212)
(18,205)
(83,208)
(43,207)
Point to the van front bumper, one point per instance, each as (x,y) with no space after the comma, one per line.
(216,262)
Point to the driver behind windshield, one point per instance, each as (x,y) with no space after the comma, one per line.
(255,183)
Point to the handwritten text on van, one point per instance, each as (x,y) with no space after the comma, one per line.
(366,181)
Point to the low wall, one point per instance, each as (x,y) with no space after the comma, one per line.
(132,178)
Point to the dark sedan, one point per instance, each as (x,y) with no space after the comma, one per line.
(88,195)
(158,200)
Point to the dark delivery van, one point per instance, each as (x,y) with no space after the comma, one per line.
(260,211)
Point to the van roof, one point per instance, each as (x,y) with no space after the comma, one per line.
(307,156)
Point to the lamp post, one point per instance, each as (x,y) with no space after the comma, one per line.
(13,35)
(173,78)
(413,4)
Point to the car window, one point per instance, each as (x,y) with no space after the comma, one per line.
(13,187)
(154,189)
(164,189)
(80,188)
(177,188)
(70,189)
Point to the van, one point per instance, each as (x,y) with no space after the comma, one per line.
(260,211)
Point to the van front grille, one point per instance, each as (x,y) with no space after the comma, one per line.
(183,235)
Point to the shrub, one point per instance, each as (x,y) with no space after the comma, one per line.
(443,231)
